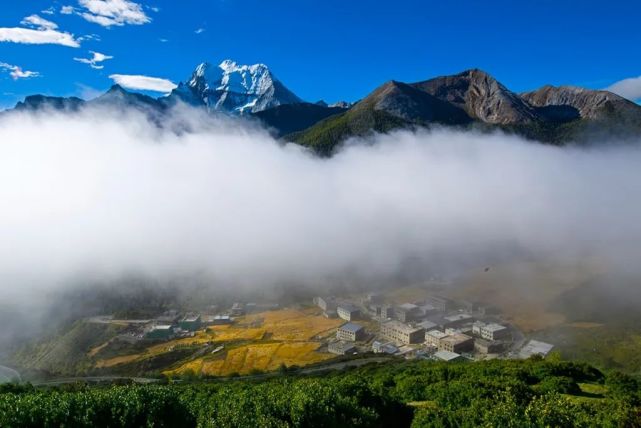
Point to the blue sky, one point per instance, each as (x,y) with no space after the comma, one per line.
(320,49)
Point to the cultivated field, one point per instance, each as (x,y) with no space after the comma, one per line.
(262,341)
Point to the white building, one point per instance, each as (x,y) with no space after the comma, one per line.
(492,331)
(433,338)
(402,333)
(348,312)
(350,332)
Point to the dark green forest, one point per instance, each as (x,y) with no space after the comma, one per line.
(531,393)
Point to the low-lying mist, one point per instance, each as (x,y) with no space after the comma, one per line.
(100,192)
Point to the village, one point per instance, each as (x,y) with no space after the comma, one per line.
(244,337)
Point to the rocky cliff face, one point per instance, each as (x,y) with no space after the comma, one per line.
(587,104)
(481,96)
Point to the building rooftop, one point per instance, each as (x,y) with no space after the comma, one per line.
(351,327)
(191,318)
(535,347)
(427,325)
(446,355)
(437,334)
(402,327)
(457,317)
(456,338)
(407,307)
(494,327)
(161,327)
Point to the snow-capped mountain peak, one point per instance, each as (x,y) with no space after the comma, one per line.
(235,88)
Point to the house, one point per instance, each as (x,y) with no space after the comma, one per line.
(448,356)
(407,312)
(190,322)
(384,348)
(457,342)
(402,333)
(341,348)
(492,331)
(348,312)
(350,332)
(162,331)
(535,347)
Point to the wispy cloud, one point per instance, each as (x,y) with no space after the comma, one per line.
(144,83)
(17,72)
(200,30)
(628,88)
(37,37)
(112,12)
(48,11)
(39,23)
(67,10)
(95,60)
(42,32)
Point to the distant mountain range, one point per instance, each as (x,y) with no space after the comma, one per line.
(469,100)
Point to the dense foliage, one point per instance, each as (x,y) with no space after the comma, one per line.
(531,393)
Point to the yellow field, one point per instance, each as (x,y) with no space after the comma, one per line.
(264,357)
(291,324)
(267,340)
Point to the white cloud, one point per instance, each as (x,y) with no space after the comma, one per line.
(627,88)
(67,10)
(17,72)
(144,83)
(200,31)
(49,11)
(39,23)
(113,12)
(93,37)
(38,37)
(95,60)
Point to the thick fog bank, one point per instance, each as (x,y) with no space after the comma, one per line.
(100,193)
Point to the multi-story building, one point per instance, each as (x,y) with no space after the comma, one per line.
(402,333)
(456,343)
(348,312)
(350,332)
(492,331)
(407,312)
(433,338)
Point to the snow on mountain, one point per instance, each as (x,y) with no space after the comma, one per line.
(235,88)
